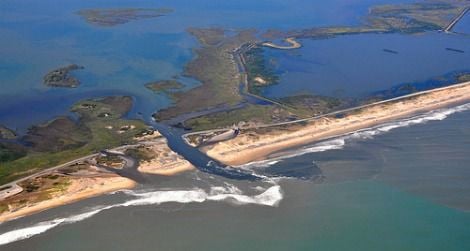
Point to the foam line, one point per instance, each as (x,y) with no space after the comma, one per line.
(270,197)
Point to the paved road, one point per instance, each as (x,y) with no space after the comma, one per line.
(333,113)
(14,184)
(241,64)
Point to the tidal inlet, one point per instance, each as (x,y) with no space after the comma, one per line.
(235,125)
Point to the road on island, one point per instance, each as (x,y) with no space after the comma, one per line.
(331,113)
(12,187)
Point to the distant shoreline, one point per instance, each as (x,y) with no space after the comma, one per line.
(257,143)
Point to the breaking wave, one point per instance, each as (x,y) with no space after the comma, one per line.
(368,133)
(270,197)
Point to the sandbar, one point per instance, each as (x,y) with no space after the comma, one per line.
(257,143)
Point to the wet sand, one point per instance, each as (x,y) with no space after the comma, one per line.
(257,144)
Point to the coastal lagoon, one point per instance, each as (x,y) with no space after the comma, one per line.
(355,66)
(38,37)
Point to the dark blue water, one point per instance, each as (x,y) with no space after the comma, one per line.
(357,65)
(463,26)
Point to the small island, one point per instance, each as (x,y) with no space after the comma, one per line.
(164,86)
(113,17)
(61,77)
(257,142)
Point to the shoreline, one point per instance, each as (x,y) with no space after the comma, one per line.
(88,183)
(79,189)
(258,143)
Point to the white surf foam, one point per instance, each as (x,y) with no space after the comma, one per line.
(27,232)
(24,233)
(368,133)
(270,197)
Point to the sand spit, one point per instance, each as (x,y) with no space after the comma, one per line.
(257,143)
(293,44)
(162,160)
(78,189)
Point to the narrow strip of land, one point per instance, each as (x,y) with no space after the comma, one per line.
(291,40)
(258,142)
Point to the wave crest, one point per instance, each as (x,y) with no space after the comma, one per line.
(270,197)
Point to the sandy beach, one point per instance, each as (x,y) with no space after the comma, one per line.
(293,44)
(256,144)
(79,189)
(163,160)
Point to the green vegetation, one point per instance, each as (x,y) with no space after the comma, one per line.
(397,18)
(36,190)
(302,106)
(310,105)
(61,77)
(259,73)
(412,18)
(113,17)
(110,161)
(140,153)
(57,135)
(215,68)
(249,114)
(165,86)
(10,152)
(100,126)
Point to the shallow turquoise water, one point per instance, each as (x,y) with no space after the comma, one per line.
(40,36)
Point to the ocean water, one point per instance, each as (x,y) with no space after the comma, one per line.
(357,65)
(395,189)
